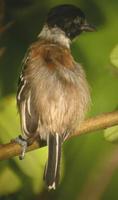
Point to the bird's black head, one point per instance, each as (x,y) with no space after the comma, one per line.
(68,18)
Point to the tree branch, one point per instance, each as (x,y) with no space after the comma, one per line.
(93,124)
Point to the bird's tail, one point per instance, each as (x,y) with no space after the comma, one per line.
(52,169)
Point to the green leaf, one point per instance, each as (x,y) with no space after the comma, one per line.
(9,182)
(114,56)
(9,120)
(33,166)
(33,163)
(111,134)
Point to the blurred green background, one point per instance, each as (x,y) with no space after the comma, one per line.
(90,162)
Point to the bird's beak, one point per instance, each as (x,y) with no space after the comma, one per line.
(88,27)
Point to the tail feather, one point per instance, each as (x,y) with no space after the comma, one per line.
(52,170)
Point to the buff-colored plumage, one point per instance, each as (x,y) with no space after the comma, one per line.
(57,89)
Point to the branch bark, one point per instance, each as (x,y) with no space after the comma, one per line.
(92,124)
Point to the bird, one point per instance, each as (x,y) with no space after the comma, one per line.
(53,94)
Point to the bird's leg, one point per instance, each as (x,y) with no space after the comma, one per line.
(23,141)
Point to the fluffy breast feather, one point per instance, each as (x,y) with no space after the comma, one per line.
(60,93)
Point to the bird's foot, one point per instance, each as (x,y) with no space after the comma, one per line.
(24,144)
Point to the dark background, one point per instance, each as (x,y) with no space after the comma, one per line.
(90,163)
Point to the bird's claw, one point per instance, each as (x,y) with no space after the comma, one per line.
(24,143)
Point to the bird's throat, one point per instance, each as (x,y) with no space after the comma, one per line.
(55,35)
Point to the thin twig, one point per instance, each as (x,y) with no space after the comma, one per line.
(93,124)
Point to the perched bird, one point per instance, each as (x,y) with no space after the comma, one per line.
(53,93)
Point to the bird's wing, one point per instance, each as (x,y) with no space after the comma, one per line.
(28,115)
